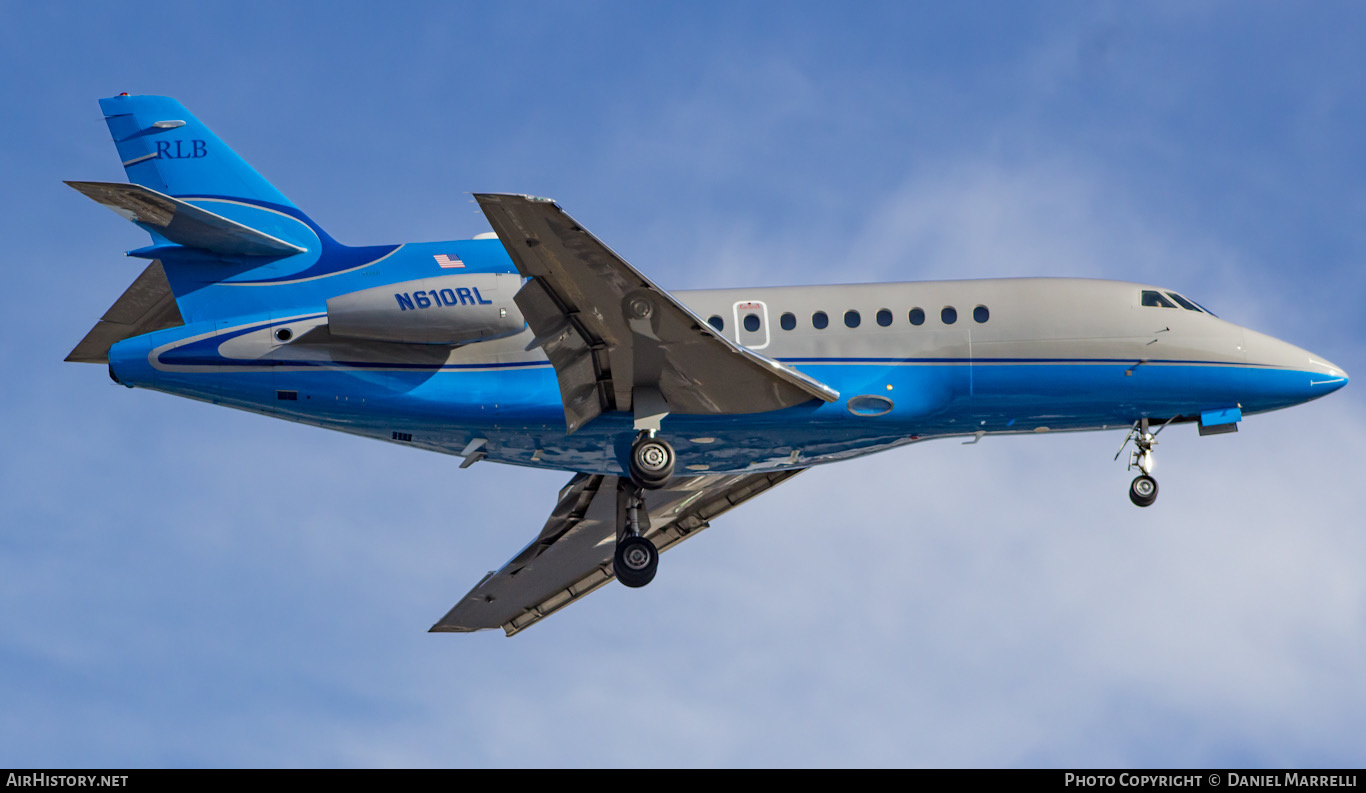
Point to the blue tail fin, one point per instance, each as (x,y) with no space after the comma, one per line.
(216,224)
(167,149)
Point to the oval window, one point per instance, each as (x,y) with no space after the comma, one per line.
(884,317)
(787,321)
(868,405)
(852,319)
(819,320)
(717,322)
(981,314)
(751,322)
(917,316)
(948,315)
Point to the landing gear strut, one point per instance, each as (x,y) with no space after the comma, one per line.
(1143,490)
(636,559)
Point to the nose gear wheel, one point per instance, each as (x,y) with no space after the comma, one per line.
(1143,491)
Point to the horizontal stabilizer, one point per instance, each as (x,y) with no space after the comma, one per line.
(184,223)
(145,306)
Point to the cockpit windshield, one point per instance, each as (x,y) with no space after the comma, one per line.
(1155,299)
(1183,302)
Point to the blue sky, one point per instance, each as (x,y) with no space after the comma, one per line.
(182,585)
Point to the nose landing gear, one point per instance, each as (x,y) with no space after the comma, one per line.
(1143,490)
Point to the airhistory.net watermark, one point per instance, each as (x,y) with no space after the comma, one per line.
(66,780)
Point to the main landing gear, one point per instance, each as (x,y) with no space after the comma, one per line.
(636,559)
(1143,490)
(651,467)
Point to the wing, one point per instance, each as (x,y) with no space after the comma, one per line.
(617,341)
(573,554)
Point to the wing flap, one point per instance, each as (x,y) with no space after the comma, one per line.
(578,357)
(184,223)
(572,556)
(608,330)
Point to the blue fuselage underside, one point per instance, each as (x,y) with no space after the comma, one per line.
(516,408)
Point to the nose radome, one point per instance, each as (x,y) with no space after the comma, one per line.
(1324,374)
(1267,351)
(1332,376)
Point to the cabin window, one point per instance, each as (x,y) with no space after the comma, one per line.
(787,321)
(980,314)
(819,320)
(852,319)
(1153,299)
(917,316)
(717,322)
(1183,302)
(948,315)
(751,322)
(884,317)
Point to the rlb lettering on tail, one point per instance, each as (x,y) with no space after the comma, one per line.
(182,149)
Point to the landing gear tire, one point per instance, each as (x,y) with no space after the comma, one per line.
(636,561)
(652,463)
(1143,491)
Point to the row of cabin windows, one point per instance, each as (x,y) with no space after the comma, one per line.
(852,319)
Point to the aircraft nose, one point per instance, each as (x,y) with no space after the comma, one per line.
(1329,376)
(1286,374)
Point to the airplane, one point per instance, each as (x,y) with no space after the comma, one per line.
(536,345)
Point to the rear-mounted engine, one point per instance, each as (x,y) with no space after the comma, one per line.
(447,309)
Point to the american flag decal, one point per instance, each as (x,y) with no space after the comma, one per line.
(448,262)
